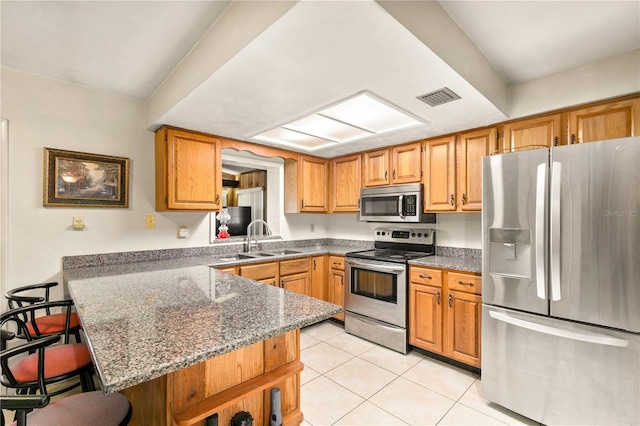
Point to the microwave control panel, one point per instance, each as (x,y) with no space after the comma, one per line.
(409,208)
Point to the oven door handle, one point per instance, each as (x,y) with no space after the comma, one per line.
(377,266)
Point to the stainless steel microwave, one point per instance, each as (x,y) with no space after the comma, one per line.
(396,203)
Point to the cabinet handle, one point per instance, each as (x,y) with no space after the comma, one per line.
(555,141)
(450,301)
(453,199)
(314,264)
(573,138)
(385,175)
(394,174)
(282,283)
(465,283)
(217,198)
(358,202)
(428,277)
(336,263)
(302,204)
(464,198)
(438,298)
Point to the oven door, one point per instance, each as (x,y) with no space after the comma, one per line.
(377,290)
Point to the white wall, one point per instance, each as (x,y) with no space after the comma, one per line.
(43,112)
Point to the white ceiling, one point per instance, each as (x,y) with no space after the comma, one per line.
(315,54)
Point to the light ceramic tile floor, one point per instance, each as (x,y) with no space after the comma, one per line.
(350,381)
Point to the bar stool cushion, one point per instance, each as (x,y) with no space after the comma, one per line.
(59,360)
(88,408)
(54,323)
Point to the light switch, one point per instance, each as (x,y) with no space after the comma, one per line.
(78,223)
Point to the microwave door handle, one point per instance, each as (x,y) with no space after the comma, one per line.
(400,205)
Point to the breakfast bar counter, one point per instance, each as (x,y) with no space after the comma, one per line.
(186,342)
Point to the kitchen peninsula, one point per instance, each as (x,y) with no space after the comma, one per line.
(184,341)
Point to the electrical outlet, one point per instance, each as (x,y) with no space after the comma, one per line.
(313,228)
(151,221)
(183,232)
(78,223)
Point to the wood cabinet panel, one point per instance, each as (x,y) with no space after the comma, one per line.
(294,266)
(440,174)
(419,275)
(337,283)
(260,272)
(464,316)
(425,317)
(336,262)
(467,283)
(346,178)
(406,163)
(319,277)
(376,168)
(188,171)
(471,148)
(604,121)
(229,269)
(298,283)
(532,133)
(305,185)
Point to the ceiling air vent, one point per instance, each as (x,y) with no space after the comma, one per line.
(439,97)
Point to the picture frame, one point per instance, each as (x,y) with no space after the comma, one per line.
(80,179)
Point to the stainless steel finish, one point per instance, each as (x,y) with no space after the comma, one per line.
(513,281)
(248,243)
(554,230)
(393,211)
(541,208)
(376,331)
(542,371)
(600,233)
(400,204)
(391,313)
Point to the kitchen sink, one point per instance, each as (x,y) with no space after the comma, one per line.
(260,254)
(232,257)
(285,251)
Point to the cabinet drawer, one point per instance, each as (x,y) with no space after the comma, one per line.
(258,272)
(432,277)
(336,262)
(295,266)
(468,283)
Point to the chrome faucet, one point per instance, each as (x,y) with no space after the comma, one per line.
(249,233)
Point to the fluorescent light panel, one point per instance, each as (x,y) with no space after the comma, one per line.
(357,117)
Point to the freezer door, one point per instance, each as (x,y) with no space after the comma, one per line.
(514,200)
(558,372)
(595,233)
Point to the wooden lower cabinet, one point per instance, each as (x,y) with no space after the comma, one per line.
(337,283)
(266,273)
(319,273)
(295,276)
(237,381)
(445,313)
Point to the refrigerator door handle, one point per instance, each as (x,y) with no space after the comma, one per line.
(568,334)
(554,254)
(540,230)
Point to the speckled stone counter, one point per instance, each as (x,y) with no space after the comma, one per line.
(144,320)
(457,259)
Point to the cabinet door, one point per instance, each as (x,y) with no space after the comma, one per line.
(336,290)
(425,317)
(298,283)
(319,287)
(606,121)
(314,173)
(439,174)
(345,184)
(376,168)
(230,269)
(464,316)
(406,163)
(470,149)
(263,272)
(188,171)
(532,133)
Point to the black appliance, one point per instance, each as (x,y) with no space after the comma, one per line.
(240,219)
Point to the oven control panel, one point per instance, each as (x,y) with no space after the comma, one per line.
(405,235)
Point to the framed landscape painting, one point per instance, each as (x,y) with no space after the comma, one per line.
(79,179)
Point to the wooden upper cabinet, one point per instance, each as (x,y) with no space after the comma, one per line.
(532,133)
(346,175)
(306,185)
(605,121)
(440,174)
(470,149)
(376,168)
(406,163)
(188,171)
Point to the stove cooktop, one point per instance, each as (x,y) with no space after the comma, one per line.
(388,255)
(399,245)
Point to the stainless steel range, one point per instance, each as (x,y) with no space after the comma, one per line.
(376,294)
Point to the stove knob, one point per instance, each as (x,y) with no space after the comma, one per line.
(419,235)
(384,233)
(378,233)
(413,234)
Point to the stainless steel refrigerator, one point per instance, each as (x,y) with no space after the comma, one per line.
(561,283)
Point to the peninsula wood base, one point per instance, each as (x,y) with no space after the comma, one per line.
(237,381)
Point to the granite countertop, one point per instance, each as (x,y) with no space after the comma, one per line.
(465,264)
(144,320)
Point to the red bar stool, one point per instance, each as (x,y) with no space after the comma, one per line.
(47,323)
(39,362)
